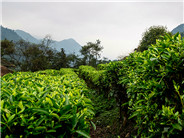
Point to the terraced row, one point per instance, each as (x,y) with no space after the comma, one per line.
(45,104)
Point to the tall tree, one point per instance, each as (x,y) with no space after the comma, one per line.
(73,60)
(96,49)
(60,60)
(27,56)
(150,35)
(47,40)
(35,59)
(91,53)
(7,47)
(182,34)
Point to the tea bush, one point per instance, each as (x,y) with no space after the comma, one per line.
(45,104)
(155,86)
(106,83)
(102,66)
(94,78)
(149,85)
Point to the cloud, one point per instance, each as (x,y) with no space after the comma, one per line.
(118,25)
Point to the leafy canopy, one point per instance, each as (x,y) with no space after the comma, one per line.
(150,35)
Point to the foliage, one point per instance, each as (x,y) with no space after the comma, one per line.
(28,56)
(47,103)
(155,87)
(7,47)
(149,37)
(182,34)
(34,57)
(106,83)
(91,53)
(102,66)
(149,85)
(60,60)
(105,105)
(96,79)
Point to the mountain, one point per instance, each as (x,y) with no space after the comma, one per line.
(179,28)
(27,37)
(69,45)
(9,34)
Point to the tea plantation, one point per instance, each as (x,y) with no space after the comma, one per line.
(45,104)
(140,96)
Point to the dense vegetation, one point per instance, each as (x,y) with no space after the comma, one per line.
(148,85)
(28,56)
(154,81)
(150,36)
(46,104)
(144,91)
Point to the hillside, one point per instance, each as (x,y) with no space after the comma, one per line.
(9,34)
(27,37)
(69,45)
(139,96)
(179,28)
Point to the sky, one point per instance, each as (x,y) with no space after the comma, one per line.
(118,25)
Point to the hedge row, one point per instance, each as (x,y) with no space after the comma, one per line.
(150,85)
(45,104)
(97,79)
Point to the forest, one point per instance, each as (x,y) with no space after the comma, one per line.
(51,94)
(28,56)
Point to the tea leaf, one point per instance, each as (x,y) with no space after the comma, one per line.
(177,126)
(11,118)
(83,133)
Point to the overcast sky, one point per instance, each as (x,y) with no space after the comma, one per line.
(118,25)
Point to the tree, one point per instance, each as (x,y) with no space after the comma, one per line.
(104,60)
(73,60)
(150,35)
(35,59)
(7,47)
(95,49)
(182,34)
(47,40)
(60,60)
(28,56)
(91,53)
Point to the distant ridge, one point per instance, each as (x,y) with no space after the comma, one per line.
(179,28)
(9,34)
(27,37)
(69,45)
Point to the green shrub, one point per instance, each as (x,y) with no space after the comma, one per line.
(106,83)
(95,79)
(149,85)
(102,66)
(44,104)
(155,86)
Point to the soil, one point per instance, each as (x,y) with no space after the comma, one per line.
(113,131)
(5,70)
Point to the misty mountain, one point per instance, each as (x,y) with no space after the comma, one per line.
(69,45)
(179,28)
(9,34)
(27,37)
